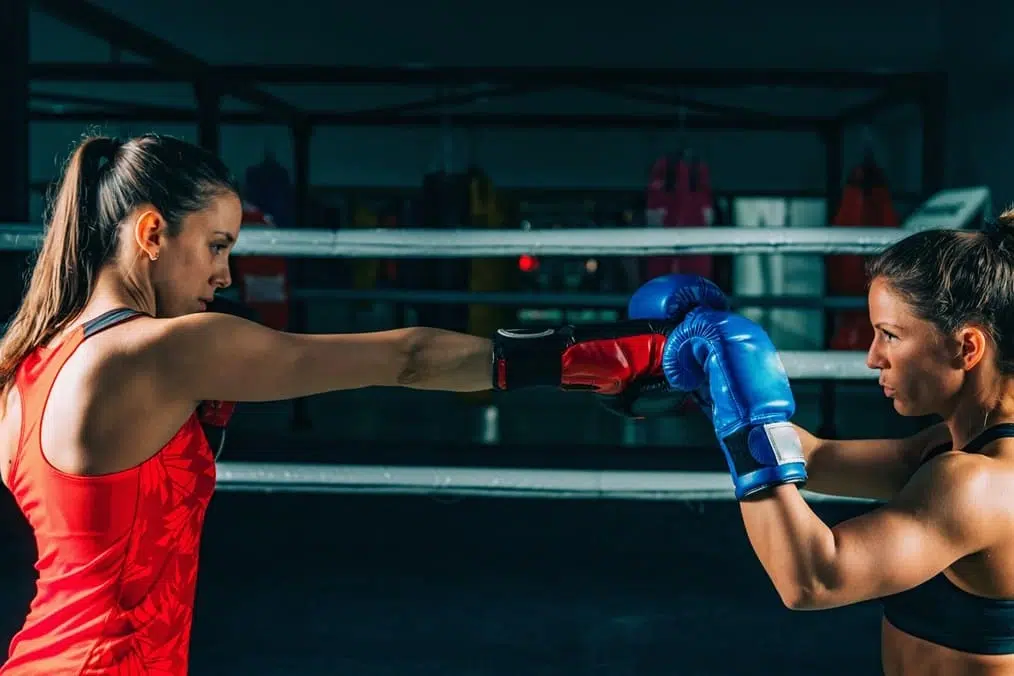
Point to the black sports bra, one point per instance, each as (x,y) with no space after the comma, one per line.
(939,612)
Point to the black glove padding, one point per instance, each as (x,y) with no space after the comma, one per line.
(649,397)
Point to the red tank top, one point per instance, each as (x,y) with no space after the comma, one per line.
(117,553)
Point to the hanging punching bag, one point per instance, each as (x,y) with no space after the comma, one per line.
(679,195)
(263,281)
(866,202)
(485,274)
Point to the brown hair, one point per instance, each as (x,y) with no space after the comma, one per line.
(103,181)
(954,278)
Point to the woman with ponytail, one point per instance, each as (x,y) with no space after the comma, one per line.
(105,371)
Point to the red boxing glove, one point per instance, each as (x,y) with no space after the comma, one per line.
(622,361)
(216,413)
(214,417)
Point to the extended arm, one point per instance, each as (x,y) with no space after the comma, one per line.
(217,356)
(222,357)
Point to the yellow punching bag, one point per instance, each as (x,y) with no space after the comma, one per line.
(485,274)
(364,270)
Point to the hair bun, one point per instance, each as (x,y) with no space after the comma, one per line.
(1003,225)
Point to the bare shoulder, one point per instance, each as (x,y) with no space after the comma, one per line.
(145,342)
(119,350)
(967,493)
(203,331)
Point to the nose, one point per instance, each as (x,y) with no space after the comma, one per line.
(222,278)
(875,358)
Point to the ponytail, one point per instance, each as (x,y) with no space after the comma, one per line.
(65,269)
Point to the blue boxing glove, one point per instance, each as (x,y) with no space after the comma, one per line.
(732,360)
(671,297)
(668,298)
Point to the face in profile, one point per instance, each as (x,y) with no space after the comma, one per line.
(194,265)
(919,367)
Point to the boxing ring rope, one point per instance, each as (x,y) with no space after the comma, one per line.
(462,243)
(484,482)
(465,243)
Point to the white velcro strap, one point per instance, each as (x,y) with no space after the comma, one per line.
(785,443)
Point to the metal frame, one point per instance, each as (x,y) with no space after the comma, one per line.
(927,91)
(169,63)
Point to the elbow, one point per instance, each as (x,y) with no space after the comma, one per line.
(814,592)
(800,597)
(410,364)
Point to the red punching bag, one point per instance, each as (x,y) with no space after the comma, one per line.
(866,202)
(263,281)
(679,195)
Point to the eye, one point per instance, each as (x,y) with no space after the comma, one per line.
(219,248)
(888,336)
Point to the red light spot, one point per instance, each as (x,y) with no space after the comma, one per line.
(528,263)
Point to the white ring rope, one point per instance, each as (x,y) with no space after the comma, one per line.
(474,243)
(486,482)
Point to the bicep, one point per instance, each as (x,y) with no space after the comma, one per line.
(885,552)
(221,357)
(932,523)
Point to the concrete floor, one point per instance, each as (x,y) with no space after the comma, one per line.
(298,584)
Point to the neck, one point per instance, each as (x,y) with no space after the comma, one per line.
(981,406)
(114,288)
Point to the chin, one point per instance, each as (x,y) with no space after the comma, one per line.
(908,410)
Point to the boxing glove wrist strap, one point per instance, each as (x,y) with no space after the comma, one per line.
(765,455)
(528,358)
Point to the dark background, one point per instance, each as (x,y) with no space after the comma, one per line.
(357,102)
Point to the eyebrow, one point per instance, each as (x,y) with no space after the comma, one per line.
(228,235)
(880,325)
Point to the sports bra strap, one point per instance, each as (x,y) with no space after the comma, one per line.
(992,434)
(1001,431)
(108,320)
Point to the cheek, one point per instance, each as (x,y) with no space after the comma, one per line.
(189,261)
(929,376)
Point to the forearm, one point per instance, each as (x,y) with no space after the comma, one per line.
(796,548)
(444,360)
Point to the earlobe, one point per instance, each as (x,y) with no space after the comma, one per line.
(148,227)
